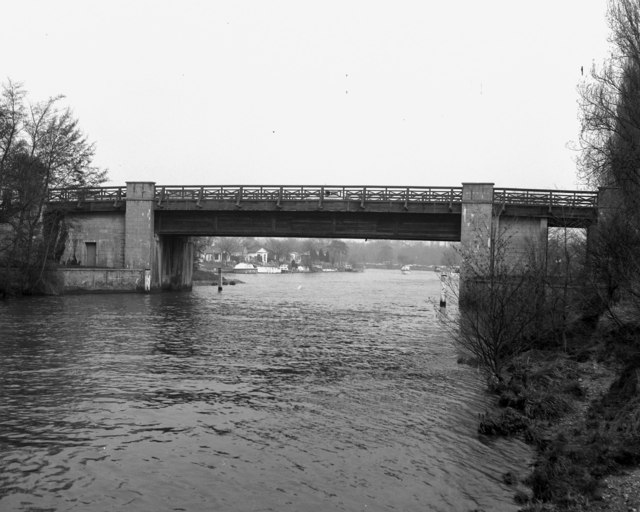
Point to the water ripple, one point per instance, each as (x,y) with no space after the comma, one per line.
(324,392)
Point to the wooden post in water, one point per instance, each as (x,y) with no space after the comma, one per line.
(219,279)
(443,290)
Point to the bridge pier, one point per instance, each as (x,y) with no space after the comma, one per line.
(139,240)
(174,263)
(488,233)
(476,228)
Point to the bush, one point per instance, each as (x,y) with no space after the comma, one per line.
(508,422)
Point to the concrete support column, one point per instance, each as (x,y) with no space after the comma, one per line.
(475,234)
(138,233)
(174,263)
(477,217)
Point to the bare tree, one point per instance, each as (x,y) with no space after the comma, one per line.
(610,144)
(610,107)
(41,146)
(501,302)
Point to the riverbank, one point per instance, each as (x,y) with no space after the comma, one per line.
(208,278)
(579,407)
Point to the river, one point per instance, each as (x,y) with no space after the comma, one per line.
(293,392)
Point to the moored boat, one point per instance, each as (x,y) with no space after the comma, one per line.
(245,268)
(268,270)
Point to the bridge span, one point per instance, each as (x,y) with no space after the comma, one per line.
(147,226)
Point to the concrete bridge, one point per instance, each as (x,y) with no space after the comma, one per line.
(146,226)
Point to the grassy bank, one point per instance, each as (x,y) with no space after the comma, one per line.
(579,407)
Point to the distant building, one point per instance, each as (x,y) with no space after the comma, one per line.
(295,256)
(260,256)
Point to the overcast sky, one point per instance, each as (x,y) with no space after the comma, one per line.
(323,92)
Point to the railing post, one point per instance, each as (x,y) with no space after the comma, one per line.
(239,197)
(364,195)
(200,194)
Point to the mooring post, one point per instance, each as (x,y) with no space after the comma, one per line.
(219,279)
(443,290)
(147,279)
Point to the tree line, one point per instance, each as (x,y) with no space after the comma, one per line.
(41,147)
(389,253)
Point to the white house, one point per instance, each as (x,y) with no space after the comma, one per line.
(260,256)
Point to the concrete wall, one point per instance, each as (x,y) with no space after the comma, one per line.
(71,280)
(525,238)
(106,230)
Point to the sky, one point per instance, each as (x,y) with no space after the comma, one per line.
(295,92)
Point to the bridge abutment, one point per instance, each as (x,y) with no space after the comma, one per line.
(525,240)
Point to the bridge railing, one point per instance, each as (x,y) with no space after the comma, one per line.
(320,193)
(81,195)
(540,197)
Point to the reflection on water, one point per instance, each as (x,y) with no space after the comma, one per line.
(289,392)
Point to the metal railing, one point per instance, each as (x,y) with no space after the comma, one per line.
(89,194)
(321,193)
(541,197)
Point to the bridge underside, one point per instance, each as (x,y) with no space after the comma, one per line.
(312,224)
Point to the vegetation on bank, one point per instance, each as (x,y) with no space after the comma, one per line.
(561,349)
(41,147)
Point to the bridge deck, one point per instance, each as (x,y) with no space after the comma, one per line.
(342,210)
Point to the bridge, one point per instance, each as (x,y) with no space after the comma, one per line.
(147,226)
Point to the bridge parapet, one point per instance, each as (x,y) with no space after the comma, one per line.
(322,193)
(88,194)
(542,197)
(319,194)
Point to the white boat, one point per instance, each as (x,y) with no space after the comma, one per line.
(405,269)
(244,268)
(269,270)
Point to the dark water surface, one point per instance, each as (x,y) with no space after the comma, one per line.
(289,392)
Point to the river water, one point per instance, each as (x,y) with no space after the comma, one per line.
(295,392)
